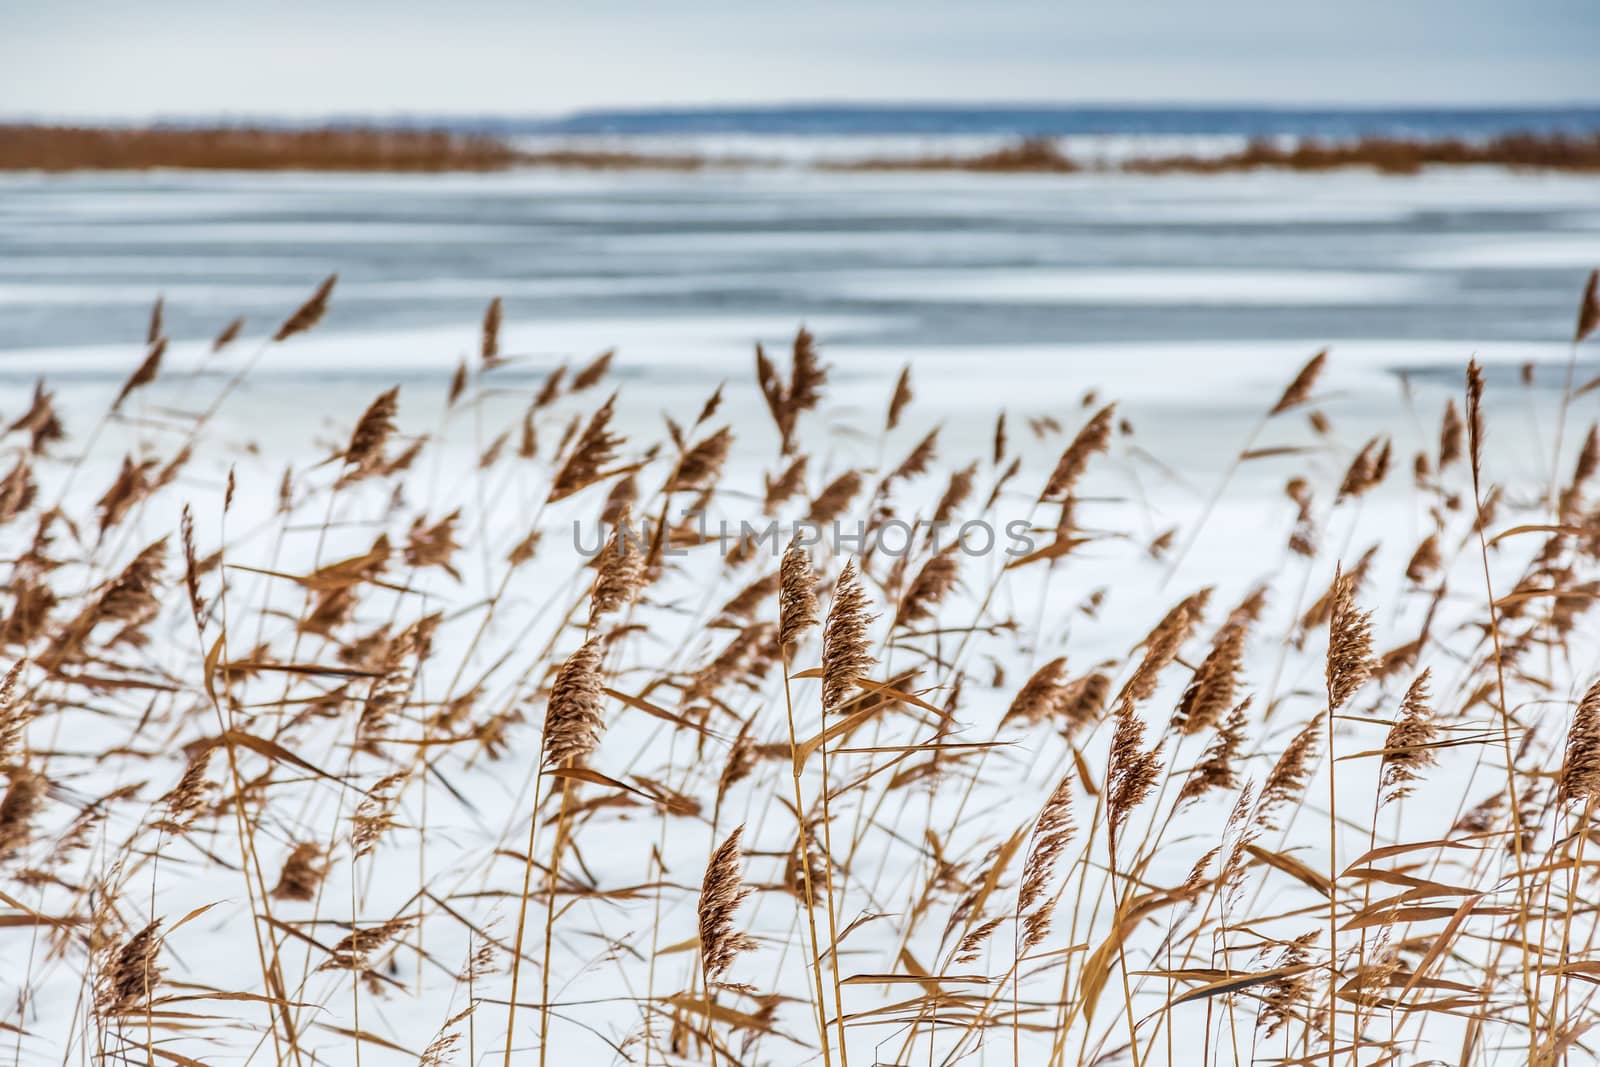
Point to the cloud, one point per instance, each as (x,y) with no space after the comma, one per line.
(108,58)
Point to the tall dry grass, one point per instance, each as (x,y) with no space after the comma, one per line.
(64,148)
(1388,155)
(357,148)
(393,778)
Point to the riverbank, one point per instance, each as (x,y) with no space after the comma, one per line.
(402,150)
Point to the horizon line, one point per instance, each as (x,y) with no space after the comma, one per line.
(862,104)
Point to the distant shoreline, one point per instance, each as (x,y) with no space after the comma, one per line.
(62,149)
(1016,119)
(1387,155)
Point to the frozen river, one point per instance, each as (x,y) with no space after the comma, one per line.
(925,260)
(1189,301)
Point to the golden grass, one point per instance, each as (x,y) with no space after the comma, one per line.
(784,806)
(1394,155)
(1029,155)
(66,148)
(343,148)
(1388,155)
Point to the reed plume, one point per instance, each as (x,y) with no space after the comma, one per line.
(1299,389)
(589,376)
(1052,833)
(933,583)
(130,974)
(846,653)
(1286,782)
(1475,418)
(375,814)
(970,947)
(573,721)
(721,892)
(184,803)
(1134,770)
(489,339)
(1041,696)
(956,495)
(1580,770)
(1349,661)
(227,335)
(1367,470)
(363,456)
(701,465)
(145,373)
(787,401)
(744,604)
(310,313)
(1211,690)
(1407,749)
(1161,647)
(131,597)
(1588,309)
(917,460)
(356,951)
(788,484)
(835,498)
(596,447)
(551,388)
(302,874)
(900,399)
(797,595)
(16,712)
(619,571)
(23,799)
(1219,765)
(1094,437)
(1425,560)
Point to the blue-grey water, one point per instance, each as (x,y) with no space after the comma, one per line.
(1048,120)
(924,260)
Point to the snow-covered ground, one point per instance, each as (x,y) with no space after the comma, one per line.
(1190,302)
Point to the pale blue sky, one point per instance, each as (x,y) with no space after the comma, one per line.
(116,58)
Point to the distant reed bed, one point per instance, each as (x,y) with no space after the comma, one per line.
(1394,155)
(65,148)
(1388,155)
(351,148)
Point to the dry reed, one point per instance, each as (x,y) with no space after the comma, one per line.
(267,814)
